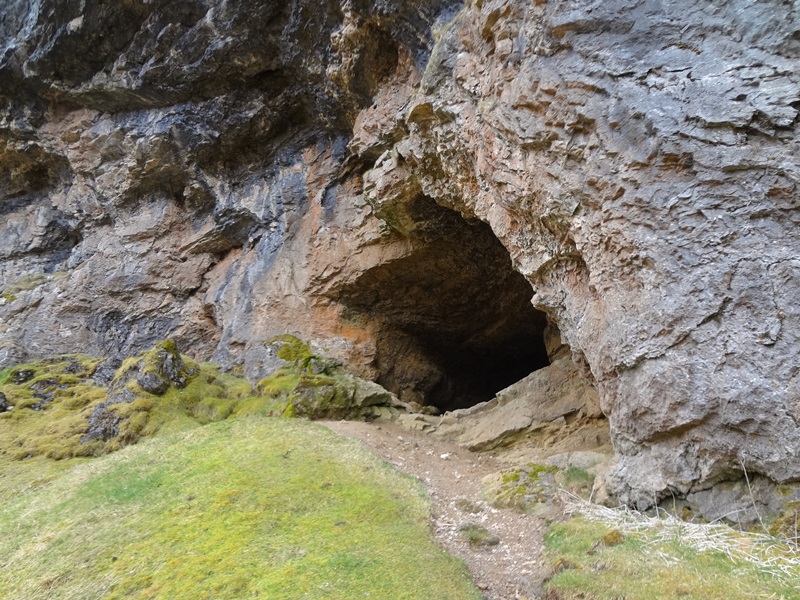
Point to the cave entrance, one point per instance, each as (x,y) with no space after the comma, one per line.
(452,320)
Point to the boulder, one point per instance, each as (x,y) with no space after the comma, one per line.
(155,371)
(545,396)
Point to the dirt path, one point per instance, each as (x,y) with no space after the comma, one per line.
(510,570)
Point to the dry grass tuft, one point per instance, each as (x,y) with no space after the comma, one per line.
(777,556)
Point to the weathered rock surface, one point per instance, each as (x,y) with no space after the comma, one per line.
(544,397)
(741,501)
(399,180)
(103,424)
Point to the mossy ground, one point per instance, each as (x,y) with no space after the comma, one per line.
(50,400)
(208,396)
(256,507)
(54,398)
(591,561)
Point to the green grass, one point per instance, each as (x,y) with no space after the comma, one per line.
(196,504)
(255,507)
(642,568)
(576,481)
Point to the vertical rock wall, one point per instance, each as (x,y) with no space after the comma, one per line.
(221,172)
(640,162)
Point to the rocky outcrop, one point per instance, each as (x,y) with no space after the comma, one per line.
(157,370)
(156,157)
(428,191)
(316,387)
(544,399)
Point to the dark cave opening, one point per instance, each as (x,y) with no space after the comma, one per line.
(453,321)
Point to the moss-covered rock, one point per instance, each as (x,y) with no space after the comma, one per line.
(787,523)
(49,399)
(61,410)
(528,489)
(26,283)
(75,405)
(157,369)
(163,389)
(316,387)
(103,423)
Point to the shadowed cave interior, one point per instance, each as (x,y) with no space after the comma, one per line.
(453,321)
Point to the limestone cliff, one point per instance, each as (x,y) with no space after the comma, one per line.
(434,192)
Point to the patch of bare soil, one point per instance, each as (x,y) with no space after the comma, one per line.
(507,564)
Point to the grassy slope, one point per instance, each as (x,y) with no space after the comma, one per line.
(254,507)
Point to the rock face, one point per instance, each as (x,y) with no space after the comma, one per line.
(431,192)
(544,398)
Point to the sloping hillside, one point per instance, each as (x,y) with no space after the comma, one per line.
(247,508)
